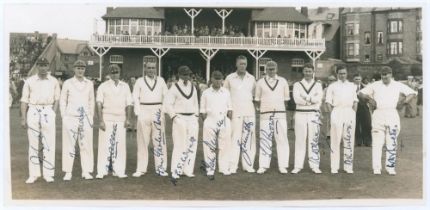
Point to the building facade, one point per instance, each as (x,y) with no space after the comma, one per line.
(371,37)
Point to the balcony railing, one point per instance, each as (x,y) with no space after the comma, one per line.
(220,42)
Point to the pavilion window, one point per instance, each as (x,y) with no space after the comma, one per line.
(274,31)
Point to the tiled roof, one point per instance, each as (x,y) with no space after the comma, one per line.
(68,46)
(330,29)
(321,13)
(288,14)
(64,46)
(135,12)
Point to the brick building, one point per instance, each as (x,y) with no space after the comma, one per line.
(372,37)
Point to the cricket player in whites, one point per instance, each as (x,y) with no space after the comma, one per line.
(77,110)
(148,93)
(241,85)
(182,106)
(307,94)
(341,98)
(216,110)
(39,102)
(272,94)
(384,95)
(114,106)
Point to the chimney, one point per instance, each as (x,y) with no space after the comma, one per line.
(109,10)
(304,11)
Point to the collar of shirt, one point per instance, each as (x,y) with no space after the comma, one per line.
(112,83)
(181,83)
(220,90)
(84,80)
(38,77)
(306,82)
(237,75)
(150,79)
(270,79)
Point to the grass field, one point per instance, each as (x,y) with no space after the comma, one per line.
(407,184)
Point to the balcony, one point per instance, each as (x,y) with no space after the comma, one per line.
(218,42)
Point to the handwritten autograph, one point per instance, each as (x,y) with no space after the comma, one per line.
(113,145)
(212,143)
(391,160)
(185,156)
(267,137)
(348,156)
(158,149)
(35,159)
(247,134)
(315,157)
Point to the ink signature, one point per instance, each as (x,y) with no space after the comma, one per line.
(212,145)
(315,157)
(113,145)
(158,149)
(185,156)
(348,156)
(35,159)
(267,137)
(391,160)
(248,137)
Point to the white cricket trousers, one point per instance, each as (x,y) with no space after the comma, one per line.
(243,143)
(77,129)
(185,132)
(274,127)
(216,133)
(342,130)
(307,129)
(111,151)
(385,129)
(41,128)
(151,127)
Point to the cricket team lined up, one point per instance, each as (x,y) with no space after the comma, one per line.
(228,108)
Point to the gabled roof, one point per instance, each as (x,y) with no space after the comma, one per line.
(287,14)
(330,29)
(68,46)
(134,12)
(321,13)
(56,46)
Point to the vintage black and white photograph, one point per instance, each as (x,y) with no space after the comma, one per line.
(209,104)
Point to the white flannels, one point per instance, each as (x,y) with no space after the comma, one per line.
(342,96)
(112,150)
(216,128)
(148,97)
(273,93)
(40,95)
(243,122)
(385,120)
(307,96)
(182,105)
(77,110)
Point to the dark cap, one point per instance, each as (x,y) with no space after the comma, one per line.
(217,75)
(114,69)
(42,61)
(271,65)
(79,63)
(184,70)
(386,70)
